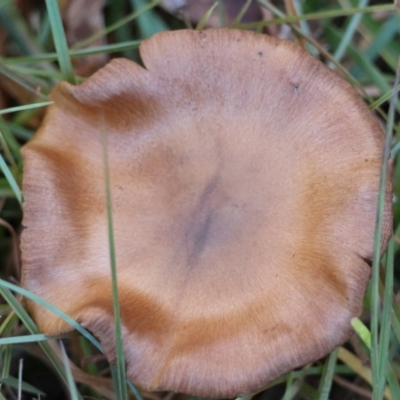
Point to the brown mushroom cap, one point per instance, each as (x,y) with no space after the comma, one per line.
(244,181)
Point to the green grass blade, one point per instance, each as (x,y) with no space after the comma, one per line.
(275,11)
(115,378)
(4,131)
(87,351)
(304,27)
(202,23)
(27,339)
(25,107)
(113,15)
(26,387)
(12,143)
(9,24)
(60,41)
(38,72)
(382,99)
(109,48)
(349,32)
(241,13)
(362,331)
(19,131)
(31,326)
(10,179)
(375,348)
(50,307)
(6,351)
(382,38)
(318,15)
(149,22)
(386,317)
(73,392)
(9,320)
(395,309)
(134,390)
(393,382)
(374,75)
(327,376)
(45,30)
(6,363)
(116,25)
(289,387)
(20,31)
(28,82)
(121,373)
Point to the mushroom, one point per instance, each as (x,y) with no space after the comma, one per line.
(244,181)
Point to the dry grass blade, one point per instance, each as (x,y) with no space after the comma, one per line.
(361,370)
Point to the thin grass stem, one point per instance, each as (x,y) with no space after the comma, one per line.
(375,345)
(50,307)
(318,16)
(116,25)
(10,179)
(109,48)
(121,373)
(73,392)
(25,107)
(327,376)
(60,41)
(349,32)
(28,339)
(386,317)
